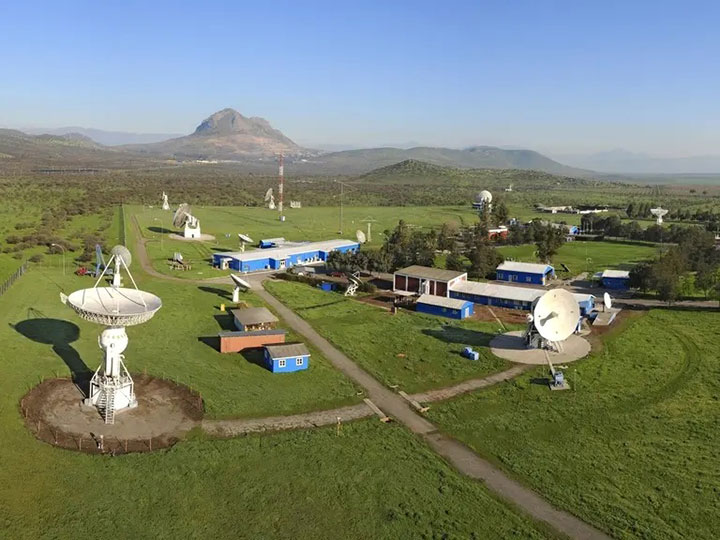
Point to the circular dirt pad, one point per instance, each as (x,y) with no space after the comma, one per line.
(54,411)
(511,346)
(203,238)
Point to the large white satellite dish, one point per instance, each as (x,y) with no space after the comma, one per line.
(181,215)
(191,224)
(245,238)
(607,301)
(556,315)
(361,238)
(659,213)
(122,257)
(240,285)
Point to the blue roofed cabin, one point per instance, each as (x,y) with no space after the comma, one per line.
(287,358)
(444,307)
(522,272)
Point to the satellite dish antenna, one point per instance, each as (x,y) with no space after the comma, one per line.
(122,257)
(183,218)
(556,315)
(244,239)
(240,285)
(607,301)
(165,203)
(270,199)
(659,213)
(361,238)
(111,387)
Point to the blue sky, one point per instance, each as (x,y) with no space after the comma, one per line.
(553,76)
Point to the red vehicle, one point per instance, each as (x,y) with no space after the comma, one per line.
(336,274)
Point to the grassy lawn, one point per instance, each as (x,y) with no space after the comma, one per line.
(371,481)
(304,224)
(178,342)
(586,256)
(633,449)
(415,351)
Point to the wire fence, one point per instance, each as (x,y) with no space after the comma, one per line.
(13,278)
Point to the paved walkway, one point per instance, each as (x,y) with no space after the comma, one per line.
(459,455)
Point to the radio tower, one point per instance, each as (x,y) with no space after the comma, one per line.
(281,185)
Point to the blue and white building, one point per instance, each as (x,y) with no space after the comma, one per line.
(444,307)
(508,296)
(522,272)
(280,258)
(615,279)
(287,357)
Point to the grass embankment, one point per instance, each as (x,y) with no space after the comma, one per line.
(633,447)
(415,351)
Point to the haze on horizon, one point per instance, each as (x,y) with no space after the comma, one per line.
(557,77)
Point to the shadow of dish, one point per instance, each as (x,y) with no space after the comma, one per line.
(60,334)
(160,230)
(222,293)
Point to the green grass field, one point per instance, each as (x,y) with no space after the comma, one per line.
(375,339)
(586,256)
(633,447)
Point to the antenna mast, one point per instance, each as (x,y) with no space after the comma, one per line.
(281,185)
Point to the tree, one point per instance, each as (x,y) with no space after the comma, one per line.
(666,273)
(641,276)
(706,278)
(500,213)
(446,236)
(455,260)
(549,242)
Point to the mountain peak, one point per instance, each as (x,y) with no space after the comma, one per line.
(229,121)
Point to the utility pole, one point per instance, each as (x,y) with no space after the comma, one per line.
(281,185)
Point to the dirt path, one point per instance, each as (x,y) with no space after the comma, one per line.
(233,428)
(459,455)
(448,392)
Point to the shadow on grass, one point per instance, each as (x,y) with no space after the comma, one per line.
(211,341)
(160,230)
(225,321)
(462,336)
(255,356)
(222,293)
(60,334)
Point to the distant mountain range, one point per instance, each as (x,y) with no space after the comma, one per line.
(106,138)
(476,157)
(622,161)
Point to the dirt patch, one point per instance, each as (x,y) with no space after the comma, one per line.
(506,315)
(384,301)
(166,411)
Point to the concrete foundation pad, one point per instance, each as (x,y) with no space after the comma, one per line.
(203,238)
(511,346)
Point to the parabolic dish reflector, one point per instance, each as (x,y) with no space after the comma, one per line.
(607,300)
(181,215)
(239,282)
(114,306)
(484,196)
(660,212)
(121,252)
(556,315)
(245,238)
(360,236)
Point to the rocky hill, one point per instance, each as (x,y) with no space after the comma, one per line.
(225,135)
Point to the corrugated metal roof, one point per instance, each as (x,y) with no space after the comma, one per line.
(245,333)
(507,292)
(287,350)
(285,252)
(531,268)
(452,303)
(622,274)
(427,272)
(254,315)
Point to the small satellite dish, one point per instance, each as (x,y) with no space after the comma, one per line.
(556,315)
(268,194)
(181,214)
(123,253)
(245,238)
(360,236)
(239,282)
(607,301)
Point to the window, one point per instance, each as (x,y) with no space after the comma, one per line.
(528,279)
(299,361)
(281,363)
